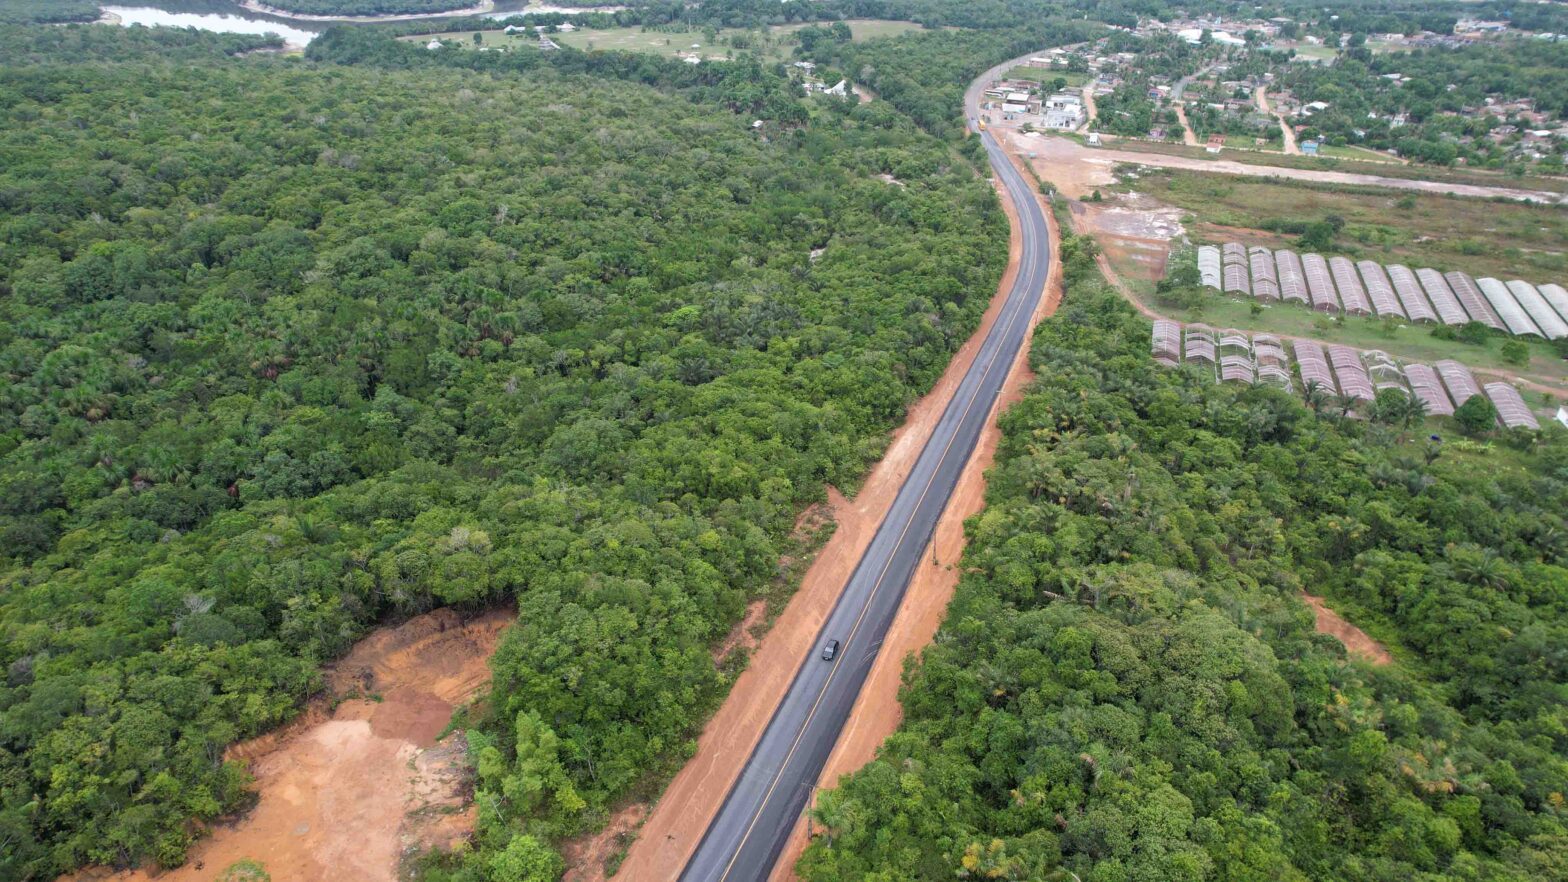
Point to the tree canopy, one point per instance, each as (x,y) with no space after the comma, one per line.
(319,345)
(1126,686)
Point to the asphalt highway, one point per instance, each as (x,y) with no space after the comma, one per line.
(745,837)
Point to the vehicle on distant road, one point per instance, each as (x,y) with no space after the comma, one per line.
(829,650)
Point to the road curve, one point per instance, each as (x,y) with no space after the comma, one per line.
(744,839)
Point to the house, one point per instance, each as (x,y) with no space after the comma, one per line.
(514,30)
(546,44)
(1216,143)
(566,27)
(433,45)
(1064,111)
(1093,140)
(1562,416)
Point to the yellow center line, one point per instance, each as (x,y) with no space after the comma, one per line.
(892,555)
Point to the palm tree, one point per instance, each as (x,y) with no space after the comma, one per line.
(1318,398)
(1484,569)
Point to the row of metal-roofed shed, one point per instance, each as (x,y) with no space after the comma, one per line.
(1338,370)
(1367,287)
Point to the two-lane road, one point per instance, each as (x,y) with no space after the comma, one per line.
(745,837)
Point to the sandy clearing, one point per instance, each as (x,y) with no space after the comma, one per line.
(681,816)
(1053,152)
(1355,640)
(877,711)
(1076,177)
(346,792)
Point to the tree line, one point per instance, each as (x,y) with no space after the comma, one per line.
(290,348)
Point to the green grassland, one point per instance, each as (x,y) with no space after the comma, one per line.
(1031,74)
(1481,237)
(774,43)
(1408,342)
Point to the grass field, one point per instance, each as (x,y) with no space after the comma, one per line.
(1387,168)
(1409,343)
(1045,75)
(1310,52)
(1503,239)
(774,44)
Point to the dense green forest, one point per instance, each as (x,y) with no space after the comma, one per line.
(1126,686)
(47,11)
(317,346)
(369,7)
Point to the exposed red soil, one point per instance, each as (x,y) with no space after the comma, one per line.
(586,856)
(359,781)
(1355,640)
(877,711)
(677,822)
(744,635)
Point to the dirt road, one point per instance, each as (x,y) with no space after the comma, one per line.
(1057,151)
(1188,136)
(346,791)
(1286,133)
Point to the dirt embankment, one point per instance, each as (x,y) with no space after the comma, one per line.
(359,781)
(677,822)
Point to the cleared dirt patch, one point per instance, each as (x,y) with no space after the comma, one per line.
(346,792)
(1355,639)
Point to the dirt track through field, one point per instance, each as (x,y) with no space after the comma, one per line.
(680,818)
(1051,152)
(346,791)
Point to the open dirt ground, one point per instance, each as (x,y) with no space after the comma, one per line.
(347,791)
(682,814)
(1355,639)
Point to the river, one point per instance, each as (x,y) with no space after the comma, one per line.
(228,16)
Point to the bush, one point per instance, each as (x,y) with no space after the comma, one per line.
(1476,415)
(1516,352)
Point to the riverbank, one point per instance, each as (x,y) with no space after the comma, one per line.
(481,8)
